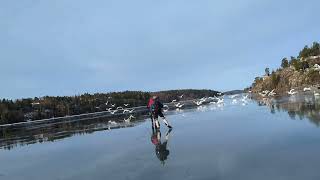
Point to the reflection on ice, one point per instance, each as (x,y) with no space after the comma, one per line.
(297,106)
(214,141)
(161,149)
(306,106)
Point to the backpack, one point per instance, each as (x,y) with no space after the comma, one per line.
(153,107)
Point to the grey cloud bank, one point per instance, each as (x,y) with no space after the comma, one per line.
(71,47)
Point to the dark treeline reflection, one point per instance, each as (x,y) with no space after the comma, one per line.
(11,137)
(298,107)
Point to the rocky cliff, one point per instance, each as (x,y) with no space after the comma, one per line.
(298,73)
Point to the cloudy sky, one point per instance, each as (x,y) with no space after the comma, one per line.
(67,47)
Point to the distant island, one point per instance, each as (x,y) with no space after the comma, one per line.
(298,73)
(30,109)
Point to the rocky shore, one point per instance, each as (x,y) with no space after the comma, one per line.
(300,73)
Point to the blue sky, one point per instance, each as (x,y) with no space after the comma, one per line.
(67,47)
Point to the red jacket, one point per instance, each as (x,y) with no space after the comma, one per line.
(151,101)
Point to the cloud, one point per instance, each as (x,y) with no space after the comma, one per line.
(67,47)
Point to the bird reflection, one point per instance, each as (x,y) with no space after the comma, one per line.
(161,150)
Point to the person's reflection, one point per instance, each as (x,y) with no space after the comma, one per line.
(160,147)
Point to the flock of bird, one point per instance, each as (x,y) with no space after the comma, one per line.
(125,109)
(179,105)
(266,93)
(113,109)
(216,101)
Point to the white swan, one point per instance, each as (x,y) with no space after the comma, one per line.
(234,101)
(292,92)
(179,105)
(109,109)
(203,99)
(129,119)
(272,93)
(198,103)
(316,67)
(306,89)
(112,122)
(220,101)
(125,111)
(112,112)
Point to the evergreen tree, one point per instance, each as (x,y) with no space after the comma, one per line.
(285,63)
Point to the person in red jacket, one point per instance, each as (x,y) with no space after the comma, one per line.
(156,109)
(150,103)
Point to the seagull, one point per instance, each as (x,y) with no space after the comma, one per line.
(112,112)
(306,89)
(126,105)
(181,96)
(125,110)
(244,98)
(234,101)
(272,93)
(220,101)
(119,108)
(109,109)
(107,103)
(113,105)
(174,101)
(198,103)
(127,120)
(179,105)
(264,93)
(166,108)
(203,99)
(316,67)
(233,96)
(35,103)
(291,92)
(131,110)
(112,122)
